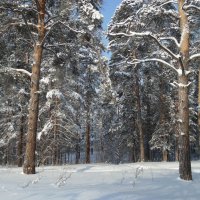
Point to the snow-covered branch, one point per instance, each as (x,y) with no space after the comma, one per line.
(23,71)
(64,24)
(194,56)
(176,57)
(137,61)
(171,38)
(188,7)
(52,25)
(180,84)
(9,69)
(124,22)
(131,34)
(51,18)
(175,2)
(147,34)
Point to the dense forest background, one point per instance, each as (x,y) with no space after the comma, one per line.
(63,102)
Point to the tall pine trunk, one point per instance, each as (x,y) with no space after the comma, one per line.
(199,99)
(87,159)
(199,107)
(56,151)
(139,118)
(78,149)
(20,142)
(184,142)
(162,116)
(29,162)
(88,121)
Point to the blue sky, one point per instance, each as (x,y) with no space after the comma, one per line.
(108,9)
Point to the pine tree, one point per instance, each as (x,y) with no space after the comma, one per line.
(179,55)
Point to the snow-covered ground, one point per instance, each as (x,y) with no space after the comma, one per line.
(138,181)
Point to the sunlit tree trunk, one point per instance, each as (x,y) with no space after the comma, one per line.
(184,143)
(29,162)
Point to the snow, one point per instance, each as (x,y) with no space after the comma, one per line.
(91,27)
(179,71)
(138,181)
(47,128)
(54,93)
(97,15)
(45,80)
(183,85)
(88,8)
(2,143)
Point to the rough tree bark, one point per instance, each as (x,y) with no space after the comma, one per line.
(184,142)
(162,117)
(198,140)
(29,162)
(139,118)
(20,142)
(78,149)
(56,151)
(88,121)
(199,105)
(87,159)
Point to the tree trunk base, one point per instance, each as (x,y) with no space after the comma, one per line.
(29,169)
(184,159)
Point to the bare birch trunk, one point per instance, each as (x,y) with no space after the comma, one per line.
(184,142)
(29,162)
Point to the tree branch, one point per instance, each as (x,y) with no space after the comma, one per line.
(194,56)
(37,4)
(137,61)
(22,71)
(148,34)
(67,26)
(171,38)
(186,8)
(56,23)
(50,19)
(176,57)
(168,3)
(27,25)
(182,66)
